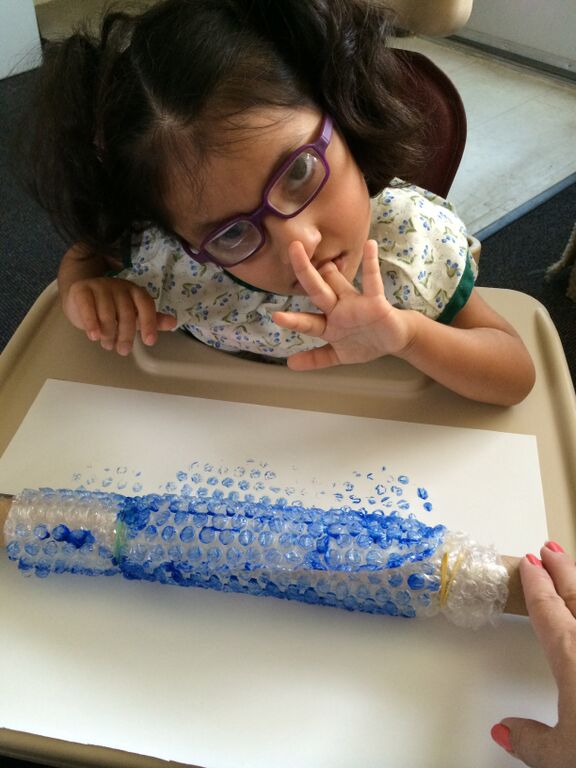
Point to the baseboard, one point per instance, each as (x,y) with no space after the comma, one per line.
(559,67)
(522,210)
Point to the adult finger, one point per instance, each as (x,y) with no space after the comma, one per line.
(532,742)
(562,569)
(555,626)
(552,619)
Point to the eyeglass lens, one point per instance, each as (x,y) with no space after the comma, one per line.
(289,195)
(235,243)
(298,184)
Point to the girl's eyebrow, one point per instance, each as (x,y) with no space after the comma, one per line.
(204,227)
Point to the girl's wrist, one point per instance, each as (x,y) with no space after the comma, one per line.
(407,325)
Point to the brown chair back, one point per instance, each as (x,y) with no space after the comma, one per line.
(443,111)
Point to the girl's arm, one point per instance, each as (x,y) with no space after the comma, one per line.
(479,356)
(107,309)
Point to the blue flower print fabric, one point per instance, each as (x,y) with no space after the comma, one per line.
(425,262)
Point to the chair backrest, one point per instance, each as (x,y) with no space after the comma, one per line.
(443,111)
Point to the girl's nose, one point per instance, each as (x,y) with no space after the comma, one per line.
(282,232)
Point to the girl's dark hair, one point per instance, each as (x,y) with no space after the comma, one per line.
(115,112)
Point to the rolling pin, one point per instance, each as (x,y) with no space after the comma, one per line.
(370,561)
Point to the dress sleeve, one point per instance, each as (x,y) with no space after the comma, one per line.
(424,252)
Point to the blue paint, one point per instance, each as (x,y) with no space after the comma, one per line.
(41,532)
(187,533)
(168,532)
(254,546)
(416,581)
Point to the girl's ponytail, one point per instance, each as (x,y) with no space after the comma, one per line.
(62,155)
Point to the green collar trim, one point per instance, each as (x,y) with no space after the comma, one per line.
(247,285)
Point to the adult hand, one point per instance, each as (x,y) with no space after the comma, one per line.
(111,310)
(357,326)
(550,591)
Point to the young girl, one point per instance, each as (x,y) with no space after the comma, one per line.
(235,146)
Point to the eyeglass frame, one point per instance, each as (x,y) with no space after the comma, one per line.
(320,147)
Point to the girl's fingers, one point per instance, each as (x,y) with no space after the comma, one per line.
(310,279)
(106,310)
(165,322)
(88,317)
(324,357)
(372,284)
(304,322)
(339,284)
(147,318)
(127,316)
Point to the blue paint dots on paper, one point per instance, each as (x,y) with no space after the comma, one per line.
(181,542)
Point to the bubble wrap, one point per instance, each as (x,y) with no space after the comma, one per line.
(354,559)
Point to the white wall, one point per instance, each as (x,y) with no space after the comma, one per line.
(544,30)
(19,38)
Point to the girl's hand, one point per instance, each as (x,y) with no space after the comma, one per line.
(111,311)
(550,591)
(357,327)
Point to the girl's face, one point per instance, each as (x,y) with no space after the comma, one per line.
(333,227)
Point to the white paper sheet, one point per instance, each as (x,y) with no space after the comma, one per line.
(225,680)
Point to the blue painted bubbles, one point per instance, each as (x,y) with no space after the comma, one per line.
(357,559)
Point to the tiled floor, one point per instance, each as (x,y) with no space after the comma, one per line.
(521,124)
(521,131)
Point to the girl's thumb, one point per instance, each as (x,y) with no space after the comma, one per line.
(530,741)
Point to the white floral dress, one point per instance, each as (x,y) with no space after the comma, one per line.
(425,262)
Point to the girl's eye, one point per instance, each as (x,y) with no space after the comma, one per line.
(232,236)
(298,184)
(301,170)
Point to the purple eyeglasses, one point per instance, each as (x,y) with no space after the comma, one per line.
(291,188)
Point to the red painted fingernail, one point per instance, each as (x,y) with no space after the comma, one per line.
(501,735)
(533,560)
(554,546)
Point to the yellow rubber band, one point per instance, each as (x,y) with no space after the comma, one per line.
(447,576)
